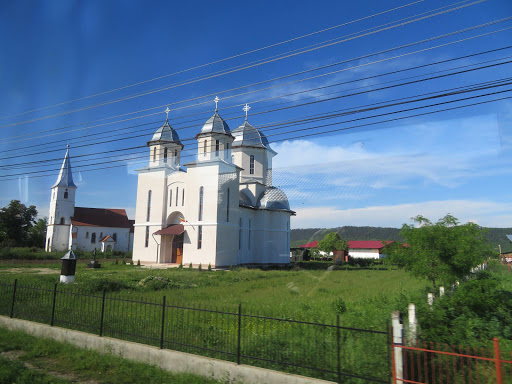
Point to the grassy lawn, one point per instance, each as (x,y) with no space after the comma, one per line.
(362,297)
(26,359)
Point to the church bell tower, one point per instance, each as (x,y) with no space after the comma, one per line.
(62,207)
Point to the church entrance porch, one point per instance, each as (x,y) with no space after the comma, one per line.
(171,244)
(177,249)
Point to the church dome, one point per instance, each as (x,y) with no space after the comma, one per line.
(273,198)
(248,136)
(244,199)
(165,134)
(216,124)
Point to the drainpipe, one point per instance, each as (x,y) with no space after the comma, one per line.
(157,246)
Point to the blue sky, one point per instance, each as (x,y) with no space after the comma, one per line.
(456,161)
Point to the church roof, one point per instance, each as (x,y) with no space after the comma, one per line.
(273,198)
(101,217)
(248,136)
(65,178)
(216,124)
(165,134)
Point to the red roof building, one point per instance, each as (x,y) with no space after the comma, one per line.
(360,248)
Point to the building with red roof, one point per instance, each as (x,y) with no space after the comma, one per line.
(87,229)
(366,249)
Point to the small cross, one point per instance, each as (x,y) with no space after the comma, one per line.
(167,110)
(216,103)
(246,109)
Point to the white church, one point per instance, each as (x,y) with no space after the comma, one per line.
(86,229)
(220,208)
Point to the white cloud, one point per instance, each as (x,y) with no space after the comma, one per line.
(490,214)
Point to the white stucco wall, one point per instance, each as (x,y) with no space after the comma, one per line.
(364,253)
(84,236)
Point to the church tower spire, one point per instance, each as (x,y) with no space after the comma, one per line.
(62,208)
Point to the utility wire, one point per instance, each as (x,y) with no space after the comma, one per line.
(247,66)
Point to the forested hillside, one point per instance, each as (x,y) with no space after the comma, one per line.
(302,236)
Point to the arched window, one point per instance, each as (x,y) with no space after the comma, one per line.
(86,235)
(114,236)
(251,165)
(176,196)
(93,238)
(146,243)
(176,154)
(204,148)
(183,197)
(66,194)
(165,155)
(154,154)
(61,221)
(217,147)
(170,197)
(199,236)
(226,155)
(240,235)
(201,195)
(227,207)
(148,215)
(249,236)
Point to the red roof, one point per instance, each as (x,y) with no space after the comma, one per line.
(107,237)
(100,217)
(355,244)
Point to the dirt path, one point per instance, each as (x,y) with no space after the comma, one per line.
(15,355)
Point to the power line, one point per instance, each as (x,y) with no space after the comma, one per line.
(248,66)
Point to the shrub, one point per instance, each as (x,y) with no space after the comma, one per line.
(339,306)
(190,266)
(156,283)
(181,265)
(138,263)
(200,268)
(106,284)
(210,267)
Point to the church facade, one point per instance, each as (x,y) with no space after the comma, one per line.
(220,208)
(87,229)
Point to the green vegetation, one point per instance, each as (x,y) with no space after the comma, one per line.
(298,237)
(51,358)
(332,242)
(19,227)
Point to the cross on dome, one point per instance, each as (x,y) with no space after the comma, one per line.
(216,103)
(167,110)
(246,109)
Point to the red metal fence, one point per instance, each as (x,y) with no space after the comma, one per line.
(434,363)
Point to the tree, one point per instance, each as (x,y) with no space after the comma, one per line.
(440,252)
(15,222)
(37,234)
(332,242)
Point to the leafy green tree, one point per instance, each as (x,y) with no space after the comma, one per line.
(444,251)
(332,242)
(37,234)
(16,220)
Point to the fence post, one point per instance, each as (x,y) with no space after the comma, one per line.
(412,323)
(239,332)
(398,359)
(338,348)
(389,338)
(53,304)
(102,312)
(497,359)
(163,322)
(14,297)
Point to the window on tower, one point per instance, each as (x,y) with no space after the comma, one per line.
(86,235)
(148,215)
(204,148)
(251,165)
(170,197)
(61,221)
(66,194)
(217,147)
(177,196)
(165,155)
(154,154)
(183,197)
(201,195)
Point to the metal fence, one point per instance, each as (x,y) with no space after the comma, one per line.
(325,351)
(435,363)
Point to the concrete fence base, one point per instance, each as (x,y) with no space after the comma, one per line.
(173,361)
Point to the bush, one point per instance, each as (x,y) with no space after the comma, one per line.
(210,267)
(200,268)
(156,283)
(339,306)
(106,284)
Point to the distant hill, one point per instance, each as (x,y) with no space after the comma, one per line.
(302,236)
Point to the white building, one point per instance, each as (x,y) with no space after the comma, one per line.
(221,209)
(71,227)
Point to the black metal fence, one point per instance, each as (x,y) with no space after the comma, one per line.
(325,351)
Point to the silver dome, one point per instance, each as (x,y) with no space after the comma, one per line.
(216,124)
(244,199)
(165,134)
(248,136)
(273,198)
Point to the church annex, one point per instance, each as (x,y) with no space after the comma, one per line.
(86,229)
(219,207)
